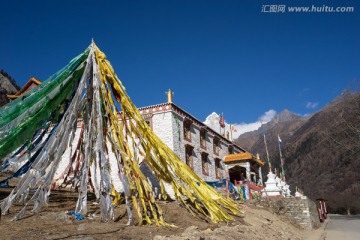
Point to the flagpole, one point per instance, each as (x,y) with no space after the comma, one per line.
(223,123)
(220,123)
(281,157)
(267,152)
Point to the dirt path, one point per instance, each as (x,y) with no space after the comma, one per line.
(258,224)
(53,223)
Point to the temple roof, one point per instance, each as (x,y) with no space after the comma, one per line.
(33,82)
(242,157)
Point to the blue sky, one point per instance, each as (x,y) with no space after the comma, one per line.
(217,56)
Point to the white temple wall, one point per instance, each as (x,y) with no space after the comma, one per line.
(162,127)
(177,135)
(169,127)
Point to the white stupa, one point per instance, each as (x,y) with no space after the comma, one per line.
(285,188)
(298,193)
(278,180)
(271,188)
(281,183)
(287,191)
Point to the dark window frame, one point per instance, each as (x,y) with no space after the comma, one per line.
(187,129)
(216,146)
(203,138)
(205,161)
(189,160)
(218,168)
(148,120)
(231,149)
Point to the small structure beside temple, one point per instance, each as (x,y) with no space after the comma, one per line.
(244,167)
(244,171)
(32,83)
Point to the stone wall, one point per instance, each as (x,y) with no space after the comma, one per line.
(301,210)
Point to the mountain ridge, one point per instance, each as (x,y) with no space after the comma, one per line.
(8,85)
(283,124)
(326,150)
(320,151)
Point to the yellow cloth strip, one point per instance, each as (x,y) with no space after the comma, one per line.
(165,164)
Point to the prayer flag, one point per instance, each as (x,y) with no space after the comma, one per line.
(233,128)
(221,121)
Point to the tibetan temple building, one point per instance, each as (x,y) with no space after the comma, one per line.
(211,155)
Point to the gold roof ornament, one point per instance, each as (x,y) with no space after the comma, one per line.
(169,96)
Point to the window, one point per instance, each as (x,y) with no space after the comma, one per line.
(148,119)
(187,130)
(203,138)
(216,145)
(205,164)
(231,150)
(218,168)
(188,156)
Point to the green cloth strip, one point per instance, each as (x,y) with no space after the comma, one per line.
(12,110)
(20,134)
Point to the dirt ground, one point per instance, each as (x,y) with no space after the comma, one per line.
(53,223)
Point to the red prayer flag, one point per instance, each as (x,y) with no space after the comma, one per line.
(221,121)
(233,128)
